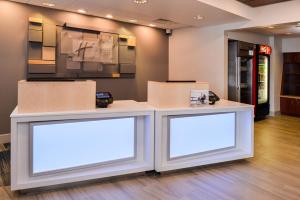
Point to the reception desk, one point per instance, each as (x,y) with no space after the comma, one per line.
(65,146)
(53,148)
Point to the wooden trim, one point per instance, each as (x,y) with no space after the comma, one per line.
(4,138)
(282,79)
(41,62)
(116,75)
(35,20)
(289,96)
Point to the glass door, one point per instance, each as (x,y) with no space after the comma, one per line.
(245,73)
(263,71)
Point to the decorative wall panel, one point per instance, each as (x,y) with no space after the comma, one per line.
(79,52)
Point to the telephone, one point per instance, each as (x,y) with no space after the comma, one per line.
(213,98)
(103,99)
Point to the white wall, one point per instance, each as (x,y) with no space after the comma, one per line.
(198,54)
(202,54)
(279,13)
(232,6)
(275,74)
(284,12)
(291,44)
(248,37)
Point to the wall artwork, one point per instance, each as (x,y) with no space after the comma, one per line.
(57,52)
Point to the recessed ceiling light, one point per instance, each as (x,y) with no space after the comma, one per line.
(133,20)
(198,17)
(140,1)
(81,11)
(109,16)
(271,27)
(49,4)
(152,25)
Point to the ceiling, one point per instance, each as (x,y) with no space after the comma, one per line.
(257,3)
(287,30)
(181,13)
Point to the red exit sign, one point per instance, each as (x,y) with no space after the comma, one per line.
(265,49)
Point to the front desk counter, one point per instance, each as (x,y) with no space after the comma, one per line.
(53,148)
(194,136)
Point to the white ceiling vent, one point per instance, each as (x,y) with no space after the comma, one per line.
(165,22)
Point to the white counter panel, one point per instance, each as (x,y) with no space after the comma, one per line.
(64,147)
(57,146)
(193,136)
(198,134)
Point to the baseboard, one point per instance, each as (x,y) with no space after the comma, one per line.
(274,113)
(4,138)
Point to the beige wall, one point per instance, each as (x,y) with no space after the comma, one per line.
(152,54)
(291,44)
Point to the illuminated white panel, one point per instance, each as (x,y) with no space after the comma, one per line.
(62,145)
(197,134)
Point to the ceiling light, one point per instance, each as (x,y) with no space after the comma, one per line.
(288,33)
(109,16)
(81,11)
(140,1)
(271,27)
(198,17)
(49,4)
(133,20)
(152,25)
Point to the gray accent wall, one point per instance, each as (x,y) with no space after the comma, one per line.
(151,53)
